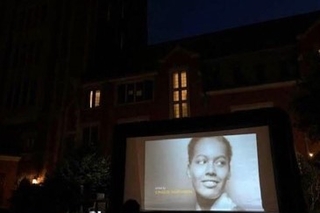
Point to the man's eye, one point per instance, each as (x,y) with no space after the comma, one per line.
(201,162)
(221,163)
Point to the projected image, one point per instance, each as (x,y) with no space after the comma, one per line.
(218,173)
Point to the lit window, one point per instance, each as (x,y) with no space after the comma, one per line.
(175,80)
(97,99)
(183,95)
(176,109)
(183,79)
(176,96)
(180,94)
(184,110)
(91,99)
(94,98)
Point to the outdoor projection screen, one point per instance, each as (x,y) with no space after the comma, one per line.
(156,172)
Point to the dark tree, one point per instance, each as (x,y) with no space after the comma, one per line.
(306,100)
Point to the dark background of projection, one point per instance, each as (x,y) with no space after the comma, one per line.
(177,19)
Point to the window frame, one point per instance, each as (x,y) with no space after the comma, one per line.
(90,99)
(90,126)
(134,83)
(179,90)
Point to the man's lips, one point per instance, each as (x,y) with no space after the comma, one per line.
(210,183)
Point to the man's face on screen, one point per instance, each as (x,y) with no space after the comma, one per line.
(209,168)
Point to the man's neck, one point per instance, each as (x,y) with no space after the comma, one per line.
(204,204)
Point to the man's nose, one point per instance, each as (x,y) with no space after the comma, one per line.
(210,169)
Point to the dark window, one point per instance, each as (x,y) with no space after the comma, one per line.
(15,56)
(139,91)
(238,75)
(24,91)
(21,21)
(130,93)
(28,145)
(16,96)
(22,57)
(90,135)
(42,13)
(2,180)
(38,14)
(122,93)
(69,143)
(288,70)
(32,93)
(135,92)
(31,17)
(28,142)
(9,97)
(260,72)
(38,51)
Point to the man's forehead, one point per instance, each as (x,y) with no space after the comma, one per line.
(210,145)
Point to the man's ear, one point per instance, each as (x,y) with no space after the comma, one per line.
(188,171)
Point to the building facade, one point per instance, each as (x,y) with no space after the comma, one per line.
(46,48)
(309,62)
(238,69)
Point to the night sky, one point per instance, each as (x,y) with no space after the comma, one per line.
(175,19)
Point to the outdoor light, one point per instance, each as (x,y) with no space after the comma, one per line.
(310,154)
(35,181)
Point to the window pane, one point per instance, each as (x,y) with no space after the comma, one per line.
(130,93)
(94,135)
(148,90)
(32,93)
(91,99)
(175,80)
(176,96)
(139,91)
(86,135)
(176,110)
(121,94)
(90,135)
(2,181)
(183,79)
(70,143)
(97,99)
(184,95)
(184,110)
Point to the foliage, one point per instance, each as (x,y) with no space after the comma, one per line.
(79,176)
(24,199)
(86,166)
(61,195)
(310,180)
(51,197)
(82,173)
(306,101)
